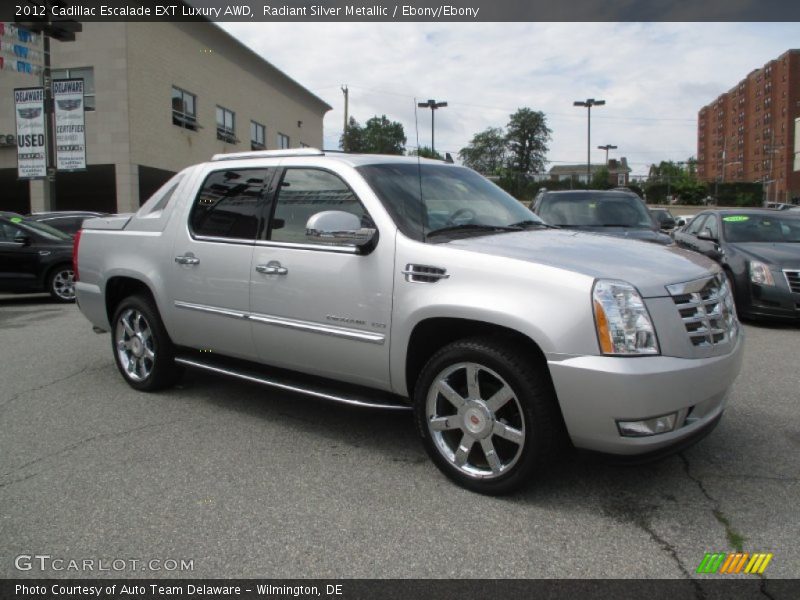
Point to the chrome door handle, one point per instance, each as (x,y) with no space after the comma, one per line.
(187,259)
(273,267)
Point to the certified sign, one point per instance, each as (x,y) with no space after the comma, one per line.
(31,149)
(70,126)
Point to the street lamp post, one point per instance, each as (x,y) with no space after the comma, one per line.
(589,103)
(433,105)
(607,147)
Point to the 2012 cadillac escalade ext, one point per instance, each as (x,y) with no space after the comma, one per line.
(407,283)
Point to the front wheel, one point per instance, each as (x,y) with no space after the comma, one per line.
(61,284)
(142,349)
(487,414)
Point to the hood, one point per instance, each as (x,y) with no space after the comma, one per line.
(649,267)
(648,235)
(783,255)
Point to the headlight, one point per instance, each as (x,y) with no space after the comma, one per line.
(621,319)
(760,273)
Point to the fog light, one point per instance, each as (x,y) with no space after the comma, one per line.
(647,427)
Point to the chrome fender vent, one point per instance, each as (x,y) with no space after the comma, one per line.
(424,273)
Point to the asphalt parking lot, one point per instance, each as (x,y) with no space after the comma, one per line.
(244,481)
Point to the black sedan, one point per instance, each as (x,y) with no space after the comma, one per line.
(67,221)
(35,257)
(759,250)
(610,212)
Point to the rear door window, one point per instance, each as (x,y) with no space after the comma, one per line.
(230,204)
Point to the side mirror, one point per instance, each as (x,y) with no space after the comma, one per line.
(23,239)
(668,224)
(706,235)
(339,227)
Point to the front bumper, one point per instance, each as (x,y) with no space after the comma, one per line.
(594,392)
(772,301)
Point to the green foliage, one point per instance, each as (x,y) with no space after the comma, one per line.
(426,152)
(600,179)
(486,152)
(527,136)
(378,136)
(519,150)
(737,193)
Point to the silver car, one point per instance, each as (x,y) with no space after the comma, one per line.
(403,283)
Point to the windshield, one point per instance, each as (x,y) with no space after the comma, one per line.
(51,233)
(761,228)
(452,197)
(587,209)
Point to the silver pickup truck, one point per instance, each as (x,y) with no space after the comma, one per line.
(399,283)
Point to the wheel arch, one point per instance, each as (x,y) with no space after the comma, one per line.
(119,287)
(431,334)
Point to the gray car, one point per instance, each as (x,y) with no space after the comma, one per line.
(619,213)
(402,283)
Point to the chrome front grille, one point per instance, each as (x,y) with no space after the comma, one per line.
(793,279)
(706,308)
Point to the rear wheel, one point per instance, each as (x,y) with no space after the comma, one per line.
(487,414)
(61,283)
(142,349)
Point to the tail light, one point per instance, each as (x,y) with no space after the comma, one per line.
(75,243)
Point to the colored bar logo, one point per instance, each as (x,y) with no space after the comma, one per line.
(738,562)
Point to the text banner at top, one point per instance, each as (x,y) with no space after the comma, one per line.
(405,10)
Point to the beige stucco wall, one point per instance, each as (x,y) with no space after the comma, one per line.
(203,60)
(135,67)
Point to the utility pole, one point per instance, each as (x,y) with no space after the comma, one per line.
(589,103)
(607,147)
(346,93)
(47,84)
(433,105)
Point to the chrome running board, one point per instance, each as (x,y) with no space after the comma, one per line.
(357,396)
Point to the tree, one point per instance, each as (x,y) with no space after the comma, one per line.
(527,136)
(353,140)
(600,179)
(486,153)
(378,136)
(426,152)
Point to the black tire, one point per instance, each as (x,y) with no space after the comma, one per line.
(149,364)
(533,411)
(61,283)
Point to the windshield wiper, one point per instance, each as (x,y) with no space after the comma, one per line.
(626,226)
(473,227)
(531,223)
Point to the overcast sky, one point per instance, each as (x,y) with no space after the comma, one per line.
(653,76)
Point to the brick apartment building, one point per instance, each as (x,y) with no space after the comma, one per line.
(752,132)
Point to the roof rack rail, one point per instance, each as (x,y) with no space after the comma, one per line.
(268,154)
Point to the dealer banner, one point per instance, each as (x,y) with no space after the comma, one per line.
(31,148)
(70,126)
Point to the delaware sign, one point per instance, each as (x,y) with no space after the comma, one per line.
(69,125)
(31,148)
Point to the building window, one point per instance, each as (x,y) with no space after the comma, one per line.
(85,73)
(283,141)
(184,111)
(257,136)
(226,125)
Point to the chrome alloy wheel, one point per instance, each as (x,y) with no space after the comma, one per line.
(475,420)
(63,284)
(134,342)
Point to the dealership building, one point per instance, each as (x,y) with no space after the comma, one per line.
(158,96)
